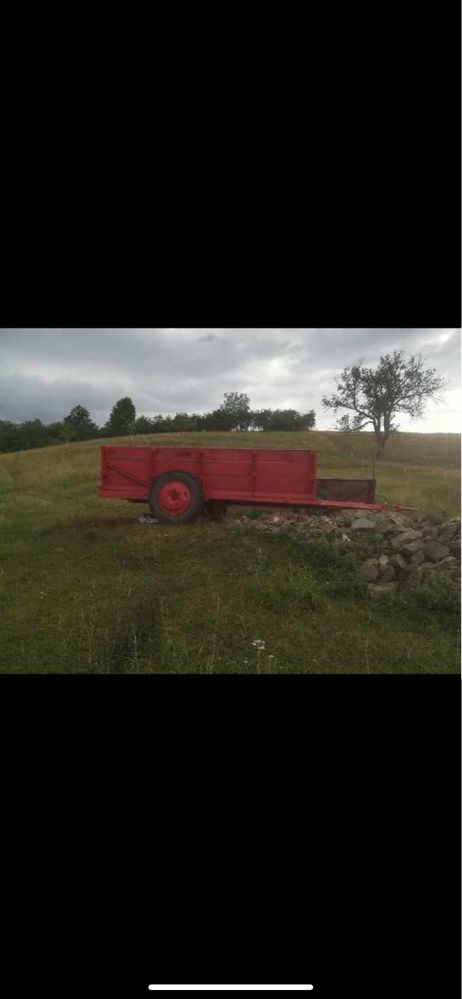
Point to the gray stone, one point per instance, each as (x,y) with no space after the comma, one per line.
(418,557)
(412,547)
(398,518)
(434,552)
(327,528)
(381,590)
(400,563)
(429,532)
(362,524)
(454,548)
(404,538)
(434,518)
(415,578)
(369,570)
(447,533)
(397,529)
(448,564)
(386,524)
(387,573)
(383,560)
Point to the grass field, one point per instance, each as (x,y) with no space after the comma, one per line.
(85,588)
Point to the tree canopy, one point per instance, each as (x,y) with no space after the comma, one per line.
(283,420)
(237,408)
(374,396)
(79,415)
(82,425)
(122,419)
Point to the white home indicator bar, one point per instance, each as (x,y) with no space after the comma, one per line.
(231,988)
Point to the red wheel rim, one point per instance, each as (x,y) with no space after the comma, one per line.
(174,497)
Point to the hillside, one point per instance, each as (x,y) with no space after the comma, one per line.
(419,470)
(85,588)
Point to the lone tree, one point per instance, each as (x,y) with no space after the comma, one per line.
(375,396)
(122,419)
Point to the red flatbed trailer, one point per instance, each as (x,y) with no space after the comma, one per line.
(178,482)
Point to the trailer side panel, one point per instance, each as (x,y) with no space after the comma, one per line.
(241,474)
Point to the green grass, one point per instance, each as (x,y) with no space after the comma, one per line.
(85,588)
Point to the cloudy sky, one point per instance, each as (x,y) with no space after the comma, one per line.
(44,372)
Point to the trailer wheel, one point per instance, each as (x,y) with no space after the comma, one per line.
(176,498)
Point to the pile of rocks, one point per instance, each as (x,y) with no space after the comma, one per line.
(410,548)
(412,554)
(292,520)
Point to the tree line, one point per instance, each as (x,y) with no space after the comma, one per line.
(368,397)
(234,414)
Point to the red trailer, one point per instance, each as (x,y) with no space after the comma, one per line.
(178,482)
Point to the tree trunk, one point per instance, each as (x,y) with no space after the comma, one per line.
(380,442)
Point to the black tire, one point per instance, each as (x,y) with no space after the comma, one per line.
(184,516)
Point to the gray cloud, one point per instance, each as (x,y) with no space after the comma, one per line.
(44,372)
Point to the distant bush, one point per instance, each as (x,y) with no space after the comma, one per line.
(282,420)
(32,434)
(10,438)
